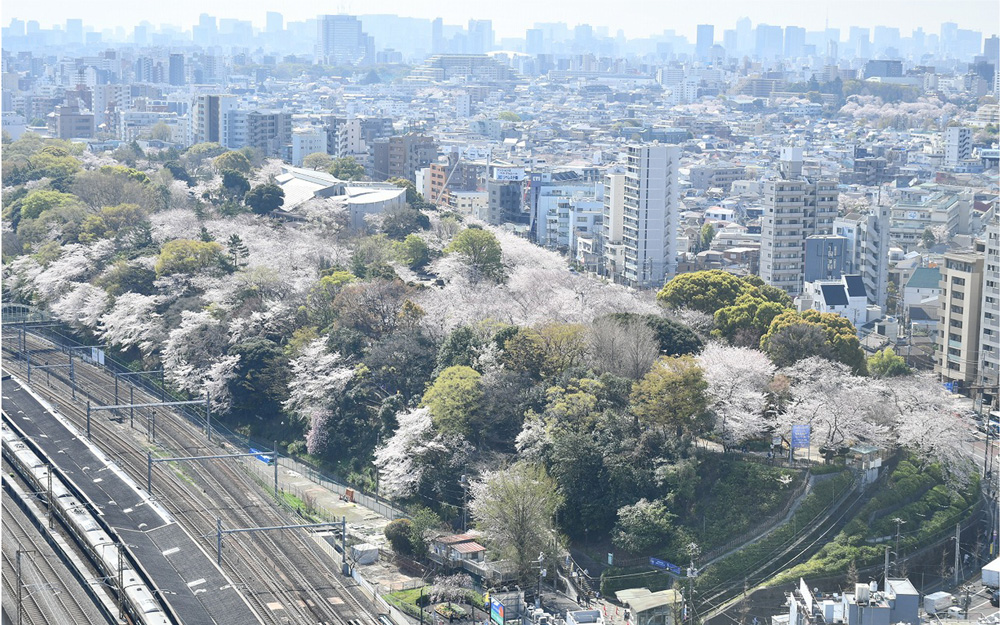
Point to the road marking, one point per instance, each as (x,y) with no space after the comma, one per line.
(127,510)
(100,479)
(172,551)
(196,582)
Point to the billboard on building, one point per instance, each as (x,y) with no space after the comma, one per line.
(508,174)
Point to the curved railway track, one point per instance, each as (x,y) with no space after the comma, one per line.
(286,577)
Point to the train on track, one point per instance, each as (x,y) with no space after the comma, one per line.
(85,527)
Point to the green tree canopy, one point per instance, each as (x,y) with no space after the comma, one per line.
(125,221)
(672,396)
(41,200)
(481,250)
(455,400)
(318,160)
(234,184)
(508,116)
(265,198)
(397,223)
(886,364)
(187,256)
(232,160)
(705,291)
(412,197)
(706,236)
(839,339)
(413,251)
(347,168)
(747,319)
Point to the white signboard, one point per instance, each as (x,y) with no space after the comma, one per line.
(515,174)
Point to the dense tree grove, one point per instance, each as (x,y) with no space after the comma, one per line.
(441,348)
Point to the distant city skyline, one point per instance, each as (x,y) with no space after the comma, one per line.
(637,19)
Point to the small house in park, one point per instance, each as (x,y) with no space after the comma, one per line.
(665,607)
(453,550)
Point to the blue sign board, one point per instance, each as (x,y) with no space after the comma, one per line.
(800,436)
(663,564)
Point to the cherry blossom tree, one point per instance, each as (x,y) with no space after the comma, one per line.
(929,422)
(738,380)
(318,376)
(840,408)
(400,474)
(132,321)
(193,349)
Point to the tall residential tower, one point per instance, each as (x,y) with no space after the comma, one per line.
(649,222)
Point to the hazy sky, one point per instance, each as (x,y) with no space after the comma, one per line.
(638,18)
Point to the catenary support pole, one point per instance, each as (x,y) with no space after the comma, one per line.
(275,458)
(88,419)
(149,472)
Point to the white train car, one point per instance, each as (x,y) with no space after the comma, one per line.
(87,531)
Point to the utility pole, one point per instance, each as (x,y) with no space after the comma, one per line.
(958,545)
(465,506)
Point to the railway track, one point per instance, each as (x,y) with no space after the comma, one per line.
(286,577)
(51,592)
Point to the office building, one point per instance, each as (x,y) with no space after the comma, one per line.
(480,40)
(340,41)
(275,23)
(794,208)
(704,42)
(961,311)
(176,70)
(68,122)
(650,214)
(795,41)
(402,156)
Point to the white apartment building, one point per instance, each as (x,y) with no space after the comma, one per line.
(612,226)
(794,208)
(989,344)
(868,250)
(306,141)
(209,123)
(650,215)
(957,145)
(959,324)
